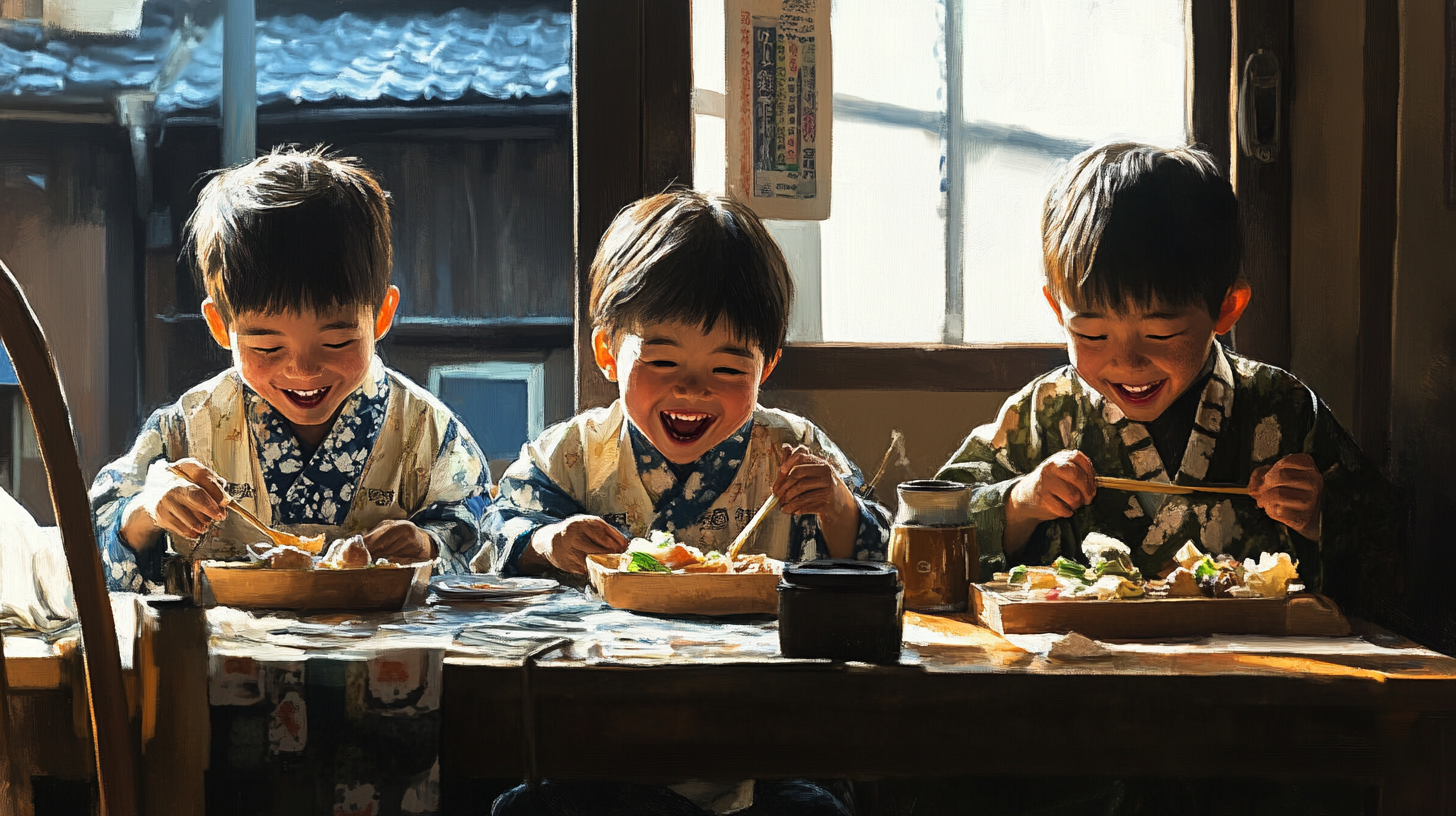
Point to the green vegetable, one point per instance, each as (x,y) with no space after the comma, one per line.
(1070,569)
(1205,567)
(1121,566)
(662,538)
(1018,574)
(642,562)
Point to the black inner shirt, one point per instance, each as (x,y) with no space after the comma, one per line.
(682,472)
(1171,430)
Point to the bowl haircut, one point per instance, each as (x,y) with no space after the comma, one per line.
(685,257)
(1132,227)
(292,231)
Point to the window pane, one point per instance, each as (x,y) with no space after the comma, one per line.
(1041,82)
(875,270)
(883,249)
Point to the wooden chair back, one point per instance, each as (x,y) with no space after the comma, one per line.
(117,749)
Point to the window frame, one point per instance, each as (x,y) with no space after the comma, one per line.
(627,60)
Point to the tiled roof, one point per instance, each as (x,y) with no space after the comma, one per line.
(457,55)
(35,61)
(460,55)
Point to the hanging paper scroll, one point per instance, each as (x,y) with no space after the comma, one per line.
(780,106)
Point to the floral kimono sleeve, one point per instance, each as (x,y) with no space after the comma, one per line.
(459,491)
(528,501)
(994,456)
(115,486)
(1360,524)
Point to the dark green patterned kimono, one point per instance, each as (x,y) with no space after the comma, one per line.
(1250,415)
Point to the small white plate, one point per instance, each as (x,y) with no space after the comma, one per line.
(489,587)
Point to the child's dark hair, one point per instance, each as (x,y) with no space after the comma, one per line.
(294,230)
(1132,224)
(682,256)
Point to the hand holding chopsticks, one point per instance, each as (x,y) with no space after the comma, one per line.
(309,544)
(807,484)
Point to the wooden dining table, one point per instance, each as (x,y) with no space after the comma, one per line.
(564,687)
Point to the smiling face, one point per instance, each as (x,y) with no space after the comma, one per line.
(687,390)
(1143,359)
(306,363)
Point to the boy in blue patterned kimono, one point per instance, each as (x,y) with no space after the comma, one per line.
(1142,250)
(308,429)
(690,302)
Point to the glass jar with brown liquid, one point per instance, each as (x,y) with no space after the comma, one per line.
(933,544)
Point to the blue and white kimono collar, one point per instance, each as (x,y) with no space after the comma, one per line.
(681,503)
(319,489)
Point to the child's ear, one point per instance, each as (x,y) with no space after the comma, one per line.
(1051,300)
(1234,304)
(385,320)
(602,351)
(216,325)
(769,366)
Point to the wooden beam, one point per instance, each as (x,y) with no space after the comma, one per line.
(1210,46)
(828,366)
(1378,201)
(1450,104)
(632,129)
(1265,191)
(667,88)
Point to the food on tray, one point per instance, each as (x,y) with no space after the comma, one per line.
(1112,575)
(346,553)
(663,553)
(286,558)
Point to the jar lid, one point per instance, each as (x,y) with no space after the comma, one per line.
(933,486)
(841,573)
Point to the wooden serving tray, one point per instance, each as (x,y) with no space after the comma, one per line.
(688,594)
(1009,611)
(250,586)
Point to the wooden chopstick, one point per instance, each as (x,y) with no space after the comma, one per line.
(1136,486)
(768,506)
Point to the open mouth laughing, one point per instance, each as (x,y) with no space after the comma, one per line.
(686,427)
(307,399)
(1139,395)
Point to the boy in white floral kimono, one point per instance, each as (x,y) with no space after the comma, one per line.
(308,429)
(1142,250)
(690,300)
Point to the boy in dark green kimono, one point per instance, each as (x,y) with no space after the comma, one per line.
(1141,249)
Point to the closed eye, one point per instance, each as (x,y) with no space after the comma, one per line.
(662,363)
(1091,336)
(344,344)
(729,371)
(269,350)
(1164,336)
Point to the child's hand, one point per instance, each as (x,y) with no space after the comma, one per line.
(401,541)
(566,544)
(1060,485)
(171,503)
(1289,491)
(809,485)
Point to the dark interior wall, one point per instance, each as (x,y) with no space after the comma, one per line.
(66,232)
(1424,361)
(1327,145)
